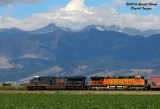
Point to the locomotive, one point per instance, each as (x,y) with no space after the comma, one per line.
(48,83)
(122,82)
(96,83)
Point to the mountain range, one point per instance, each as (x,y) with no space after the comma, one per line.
(96,50)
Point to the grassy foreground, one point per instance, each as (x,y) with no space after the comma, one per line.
(13,88)
(61,100)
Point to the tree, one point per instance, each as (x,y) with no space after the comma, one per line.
(23,84)
(6,84)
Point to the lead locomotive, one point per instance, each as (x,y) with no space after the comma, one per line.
(48,83)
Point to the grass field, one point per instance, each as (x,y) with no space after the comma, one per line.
(77,100)
(13,88)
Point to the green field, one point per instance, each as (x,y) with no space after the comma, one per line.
(67,100)
(13,88)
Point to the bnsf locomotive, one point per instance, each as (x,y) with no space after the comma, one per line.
(96,83)
(130,82)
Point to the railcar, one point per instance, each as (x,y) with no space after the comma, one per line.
(155,83)
(50,83)
(122,82)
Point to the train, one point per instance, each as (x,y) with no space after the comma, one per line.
(96,83)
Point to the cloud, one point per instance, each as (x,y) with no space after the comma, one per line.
(76,15)
(76,5)
(7,2)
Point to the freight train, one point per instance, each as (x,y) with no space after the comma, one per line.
(96,83)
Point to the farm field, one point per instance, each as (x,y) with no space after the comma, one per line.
(77,100)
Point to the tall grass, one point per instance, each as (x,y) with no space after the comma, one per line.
(13,88)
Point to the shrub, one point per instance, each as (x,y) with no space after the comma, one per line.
(6,84)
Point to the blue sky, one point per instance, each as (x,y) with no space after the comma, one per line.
(20,10)
(44,10)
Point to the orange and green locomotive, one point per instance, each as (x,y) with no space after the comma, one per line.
(122,82)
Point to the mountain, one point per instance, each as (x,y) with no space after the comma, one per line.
(88,52)
(103,28)
(52,27)
(135,32)
(93,43)
(11,32)
(98,27)
(49,28)
(126,30)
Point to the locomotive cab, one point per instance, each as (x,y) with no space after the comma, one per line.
(139,78)
(34,81)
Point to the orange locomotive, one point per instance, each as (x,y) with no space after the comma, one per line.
(130,82)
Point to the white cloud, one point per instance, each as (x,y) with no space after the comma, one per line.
(7,2)
(76,5)
(76,15)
